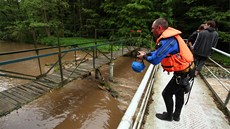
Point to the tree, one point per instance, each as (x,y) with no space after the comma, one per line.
(189,14)
(10,15)
(139,15)
(83,16)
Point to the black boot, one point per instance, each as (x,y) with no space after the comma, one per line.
(176,116)
(165,116)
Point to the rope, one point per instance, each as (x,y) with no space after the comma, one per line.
(192,80)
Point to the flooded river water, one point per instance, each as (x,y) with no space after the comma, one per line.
(80,104)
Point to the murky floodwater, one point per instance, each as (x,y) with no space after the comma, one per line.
(29,67)
(78,105)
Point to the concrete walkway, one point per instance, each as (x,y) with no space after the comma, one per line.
(201,111)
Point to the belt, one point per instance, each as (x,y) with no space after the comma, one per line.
(191,66)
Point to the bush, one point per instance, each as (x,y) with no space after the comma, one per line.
(49,41)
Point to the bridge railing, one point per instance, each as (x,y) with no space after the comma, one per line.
(134,114)
(217,78)
(90,50)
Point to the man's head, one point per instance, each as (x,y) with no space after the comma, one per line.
(210,24)
(159,26)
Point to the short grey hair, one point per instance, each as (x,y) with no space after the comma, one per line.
(162,22)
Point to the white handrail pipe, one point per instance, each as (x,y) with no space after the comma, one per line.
(127,119)
(224,53)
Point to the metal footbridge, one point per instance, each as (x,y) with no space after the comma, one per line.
(57,75)
(207,108)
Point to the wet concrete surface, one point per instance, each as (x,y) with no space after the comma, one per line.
(201,111)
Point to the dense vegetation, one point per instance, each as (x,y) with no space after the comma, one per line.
(30,20)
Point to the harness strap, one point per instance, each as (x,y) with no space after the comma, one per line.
(190,90)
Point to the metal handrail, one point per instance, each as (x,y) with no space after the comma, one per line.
(226,100)
(132,118)
(140,116)
(45,48)
(93,48)
(144,90)
(221,52)
(52,53)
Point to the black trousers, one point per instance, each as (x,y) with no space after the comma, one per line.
(199,62)
(171,89)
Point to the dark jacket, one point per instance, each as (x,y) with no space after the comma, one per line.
(207,39)
(192,37)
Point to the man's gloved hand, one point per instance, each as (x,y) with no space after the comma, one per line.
(141,55)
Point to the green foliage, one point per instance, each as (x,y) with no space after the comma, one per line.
(38,24)
(132,18)
(107,48)
(19,20)
(31,20)
(80,42)
(19,31)
(221,59)
(196,12)
(53,41)
(225,36)
(49,41)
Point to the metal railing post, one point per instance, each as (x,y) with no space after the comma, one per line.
(111,64)
(111,71)
(227,99)
(59,58)
(122,48)
(94,62)
(111,49)
(36,50)
(39,62)
(95,38)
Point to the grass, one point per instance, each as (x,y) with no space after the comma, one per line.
(53,41)
(83,42)
(221,59)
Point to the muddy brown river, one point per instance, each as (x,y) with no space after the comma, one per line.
(80,104)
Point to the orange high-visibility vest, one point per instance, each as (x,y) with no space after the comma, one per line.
(179,61)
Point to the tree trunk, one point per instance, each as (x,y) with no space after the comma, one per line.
(79,13)
(44,15)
